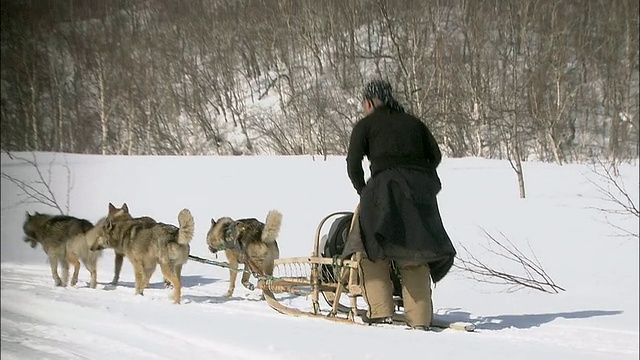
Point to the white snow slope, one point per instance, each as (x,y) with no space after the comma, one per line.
(565,221)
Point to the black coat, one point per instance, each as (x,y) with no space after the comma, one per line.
(399,217)
(400,220)
(390,139)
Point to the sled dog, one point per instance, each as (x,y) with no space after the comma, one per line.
(246,241)
(118,251)
(148,243)
(66,240)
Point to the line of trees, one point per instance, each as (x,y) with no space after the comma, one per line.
(520,80)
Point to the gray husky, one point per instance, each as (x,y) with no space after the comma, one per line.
(246,241)
(148,243)
(122,212)
(64,240)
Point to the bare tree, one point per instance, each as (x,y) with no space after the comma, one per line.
(140,77)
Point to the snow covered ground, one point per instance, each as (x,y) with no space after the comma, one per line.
(562,222)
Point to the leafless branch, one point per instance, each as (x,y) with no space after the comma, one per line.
(619,195)
(39,191)
(534,277)
(613,191)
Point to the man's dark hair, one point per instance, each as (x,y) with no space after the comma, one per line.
(381,90)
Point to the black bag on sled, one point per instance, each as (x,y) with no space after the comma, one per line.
(334,243)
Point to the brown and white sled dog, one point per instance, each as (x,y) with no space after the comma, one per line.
(66,241)
(118,251)
(149,243)
(246,241)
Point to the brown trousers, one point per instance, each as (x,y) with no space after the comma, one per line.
(416,290)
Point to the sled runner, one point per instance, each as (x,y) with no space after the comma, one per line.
(324,274)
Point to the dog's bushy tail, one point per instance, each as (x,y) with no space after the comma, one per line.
(272,226)
(187,227)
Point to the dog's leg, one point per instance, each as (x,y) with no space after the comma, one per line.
(92,265)
(139,274)
(233,274)
(117,268)
(53,262)
(76,271)
(245,280)
(175,281)
(65,271)
(178,271)
(267,268)
(149,269)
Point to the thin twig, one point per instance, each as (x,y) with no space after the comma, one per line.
(616,194)
(38,191)
(535,276)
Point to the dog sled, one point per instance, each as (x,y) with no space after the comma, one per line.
(324,276)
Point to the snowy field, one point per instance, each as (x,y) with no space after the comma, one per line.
(574,232)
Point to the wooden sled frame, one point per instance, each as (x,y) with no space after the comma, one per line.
(346,281)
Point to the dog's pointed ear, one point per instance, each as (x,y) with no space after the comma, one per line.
(125,208)
(239,225)
(213,222)
(27,215)
(111,208)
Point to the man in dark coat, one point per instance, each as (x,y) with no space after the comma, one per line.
(399,218)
